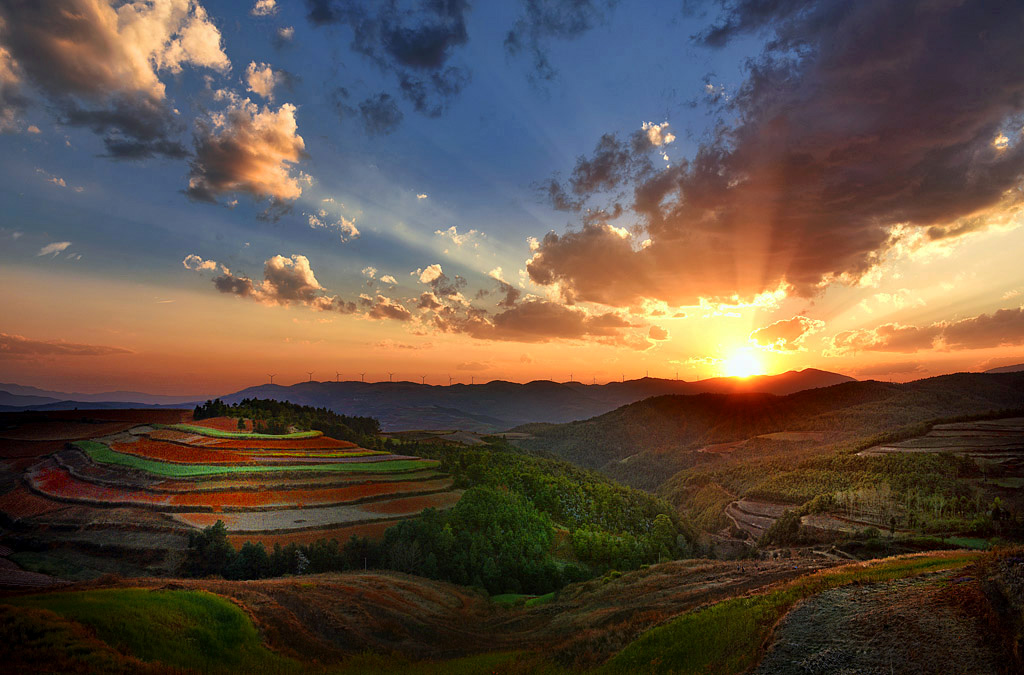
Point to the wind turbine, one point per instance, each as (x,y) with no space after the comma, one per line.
(271,377)
(310,372)
(389,377)
(337,376)
(449,380)
(423,379)
(570,377)
(472,379)
(362,377)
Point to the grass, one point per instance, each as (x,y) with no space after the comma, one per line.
(511,663)
(727,637)
(193,630)
(976,543)
(99,452)
(514,599)
(238,435)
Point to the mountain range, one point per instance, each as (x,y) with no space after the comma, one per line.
(483,408)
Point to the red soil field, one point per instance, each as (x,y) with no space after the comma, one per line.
(20,503)
(223,423)
(172,435)
(319,443)
(10,449)
(189,454)
(171,452)
(56,482)
(406,505)
(373,531)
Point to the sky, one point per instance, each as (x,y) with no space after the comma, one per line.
(197,194)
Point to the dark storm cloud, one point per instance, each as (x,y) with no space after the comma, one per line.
(857,117)
(546,20)
(132,127)
(413,40)
(380,114)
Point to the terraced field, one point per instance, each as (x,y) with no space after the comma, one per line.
(998,442)
(138,490)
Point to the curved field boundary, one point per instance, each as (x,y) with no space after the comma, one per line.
(243,435)
(284,521)
(98,452)
(78,465)
(258,445)
(175,453)
(52,482)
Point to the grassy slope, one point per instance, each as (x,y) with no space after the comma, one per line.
(99,452)
(183,629)
(727,637)
(244,435)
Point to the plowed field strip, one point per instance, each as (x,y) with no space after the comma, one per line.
(99,452)
(295,520)
(188,454)
(56,483)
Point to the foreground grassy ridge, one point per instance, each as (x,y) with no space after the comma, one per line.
(240,435)
(193,630)
(99,452)
(726,637)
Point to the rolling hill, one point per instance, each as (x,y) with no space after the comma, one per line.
(645,443)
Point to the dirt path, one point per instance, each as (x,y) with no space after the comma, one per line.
(905,626)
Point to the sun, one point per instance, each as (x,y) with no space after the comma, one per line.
(743,363)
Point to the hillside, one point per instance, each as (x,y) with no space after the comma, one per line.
(936,610)
(645,443)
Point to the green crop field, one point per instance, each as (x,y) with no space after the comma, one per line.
(98,452)
(192,630)
(726,637)
(243,435)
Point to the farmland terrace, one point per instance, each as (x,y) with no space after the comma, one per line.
(132,486)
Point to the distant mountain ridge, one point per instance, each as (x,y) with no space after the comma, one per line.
(484,408)
(1007,369)
(500,405)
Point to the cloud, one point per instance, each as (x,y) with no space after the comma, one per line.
(18,347)
(414,44)
(284,35)
(430,274)
(658,134)
(99,66)
(542,22)
(850,137)
(422,195)
(472,366)
(887,371)
(537,320)
(452,233)
(197,264)
(386,308)
(261,79)
(251,150)
(1004,327)
(54,249)
(370,272)
(264,8)
(786,334)
(345,228)
(658,333)
(388,279)
(380,115)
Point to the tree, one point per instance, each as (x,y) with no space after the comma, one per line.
(210,552)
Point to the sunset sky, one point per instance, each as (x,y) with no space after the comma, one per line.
(196,194)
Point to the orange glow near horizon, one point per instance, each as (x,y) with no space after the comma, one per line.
(743,363)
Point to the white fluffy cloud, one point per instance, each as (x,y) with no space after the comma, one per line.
(658,134)
(261,79)
(54,249)
(345,228)
(248,149)
(264,8)
(431,273)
